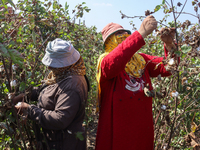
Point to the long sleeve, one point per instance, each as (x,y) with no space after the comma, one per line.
(116,60)
(154,65)
(66,108)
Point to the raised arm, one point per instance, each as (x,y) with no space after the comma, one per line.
(116,60)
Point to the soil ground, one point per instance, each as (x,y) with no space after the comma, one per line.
(91,131)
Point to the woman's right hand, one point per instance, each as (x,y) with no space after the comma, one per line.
(148,25)
(21,107)
(167,35)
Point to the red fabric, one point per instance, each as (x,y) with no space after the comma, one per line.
(111,28)
(125,118)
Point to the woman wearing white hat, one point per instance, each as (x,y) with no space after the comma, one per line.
(61,102)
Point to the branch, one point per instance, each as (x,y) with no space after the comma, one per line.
(40,50)
(176,99)
(181,9)
(15,28)
(7,75)
(186,13)
(163,24)
(167,3)
(125,16)
(156,120)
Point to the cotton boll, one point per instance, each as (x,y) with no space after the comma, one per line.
(14,67)
(184,80)
(171,61)
(174,94)
(155,85)
(167,68)
(164,147)
(163,107)
(9,95)
(18,104)
(169,101)
(1,68)
(13,83)
(188,88)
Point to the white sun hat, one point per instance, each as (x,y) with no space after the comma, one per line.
(60,53)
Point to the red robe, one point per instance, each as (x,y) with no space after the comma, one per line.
(125,118)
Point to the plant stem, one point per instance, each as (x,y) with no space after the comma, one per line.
(176,99)
(181,9)
(7,75)
(40,50)
(187,14)
(11,135)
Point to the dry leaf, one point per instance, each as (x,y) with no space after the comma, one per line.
(193,126)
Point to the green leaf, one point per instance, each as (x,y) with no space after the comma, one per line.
(157,8)
(178,53)
(11,3)
(3,2)
(22,86)
(163,2)
(183,55)
(66,6)
(4,126)
(16,56)
(54,5)
(6,90)
(198,88)
(5,6)
(4,51)
(33,83)
(34,38)
(193,60)
(11,118)
(80,136)
(185,48)
(87,10)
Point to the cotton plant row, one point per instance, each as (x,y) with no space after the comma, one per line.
(181,94)
(176,102)
(22,44)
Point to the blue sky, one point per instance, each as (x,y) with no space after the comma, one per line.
(106,11)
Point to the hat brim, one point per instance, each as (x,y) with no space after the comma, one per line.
(128,31)
(61,62)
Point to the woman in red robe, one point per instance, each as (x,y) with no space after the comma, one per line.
(125,112)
